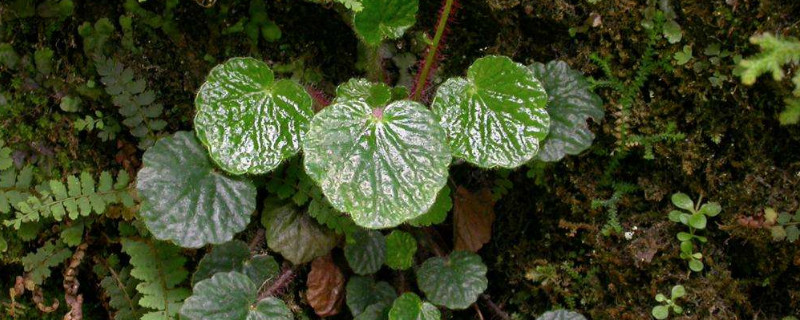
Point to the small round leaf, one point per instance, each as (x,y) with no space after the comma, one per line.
(571,103)
(455,281)
(496,116)
(410,307)
(561,315)
(660,312)
(385,19)
(374,94)
(296,236)
(383,166)
(186,199)
(698,221)
(232,296)
(696,265)
(250,122)
(711,209)
(400,250)
(367,252)
(678,291)
(682,200)
(362,292)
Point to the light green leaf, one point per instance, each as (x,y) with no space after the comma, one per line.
(561,315)
(660,312)
(684,236)
(571,103)
(681,200)
(385,19)
(367,252)
(696,265)
(294,235)
(672,31)
(455,281)
(438,211)
(73,234)
(186,199)
(231,296)
(495,117)
(250,122)
(410,307)
(374,94)
(698,221)
(383,166)
(400,250)
(362,292)
(678,291)
(711,209)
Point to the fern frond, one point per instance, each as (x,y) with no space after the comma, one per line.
(14,187)
(135,103)
(37,265)
(81,196)
(159,267)
(120,288)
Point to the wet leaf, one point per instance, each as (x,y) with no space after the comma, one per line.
(296,236)
(250,122)
(367,252)
(383,166)
(455,281)
(325,287)
(571,103)
(363,292)
(495,117)
(561,315)
(231,296)
(188,201)
(385,19)
(473,216)
(410,307)
(438,211)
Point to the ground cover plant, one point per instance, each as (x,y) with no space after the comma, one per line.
(388,159)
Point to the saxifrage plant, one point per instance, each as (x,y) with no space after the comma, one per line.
(374,162)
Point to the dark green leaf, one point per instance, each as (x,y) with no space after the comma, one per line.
(362,292)
(294,235)
(231,296)
(455,281)
(400,250)
(385,19)
(410,307)
(367,252)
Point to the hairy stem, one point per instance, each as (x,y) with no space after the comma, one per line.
(281,282)
(424,74)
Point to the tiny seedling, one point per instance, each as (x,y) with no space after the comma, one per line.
(695,217)
(662,311)
(783,226)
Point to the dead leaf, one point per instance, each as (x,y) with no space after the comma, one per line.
(325,287)
(473,215)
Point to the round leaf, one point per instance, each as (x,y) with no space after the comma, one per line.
(682,200)
(660,312)
(678,291)
(382,165)
(296,236)
(250,122)
(400,250)
(711,209)
(410,307)
(367,252)
(496,116)
(696,265)
(186,200)
(362,292)
(232,296)
(226,257)
(455,281)
(261,268)
(378,311)
(374,94)
(698,221)
(571,102)
(385,19)
(561,315)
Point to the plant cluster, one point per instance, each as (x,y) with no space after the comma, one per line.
(695,217)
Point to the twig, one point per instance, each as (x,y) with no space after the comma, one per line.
(494,307)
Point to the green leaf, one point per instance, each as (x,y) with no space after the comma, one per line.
(681,200)
(374,94)
(561,315)
(322,211)
(160,267)
(296,236)
(792,233)
(683,57)
(678,291)
(231,296)
(378,311)
(385,19)
(571,103)
(261,268)
(698,221)
(684,236)
(400,250)
(73,234)
(438,211)
(711,209)
(455,281)
(250,122)
(186,200)
(660,312)
(675,216)
(410,307)
(362,292)
(696,265)
(367,252)
(225,257)
(495,117)
(383,166)
(37,265)
(672,31)
(661,297)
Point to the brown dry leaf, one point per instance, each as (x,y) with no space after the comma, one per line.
(325,287)
(473,215)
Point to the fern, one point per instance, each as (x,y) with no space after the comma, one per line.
(159,266)
(5,156)
(80,197)
(775,53)
(37,265)
(120,288)
(135,103)
(14,187)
